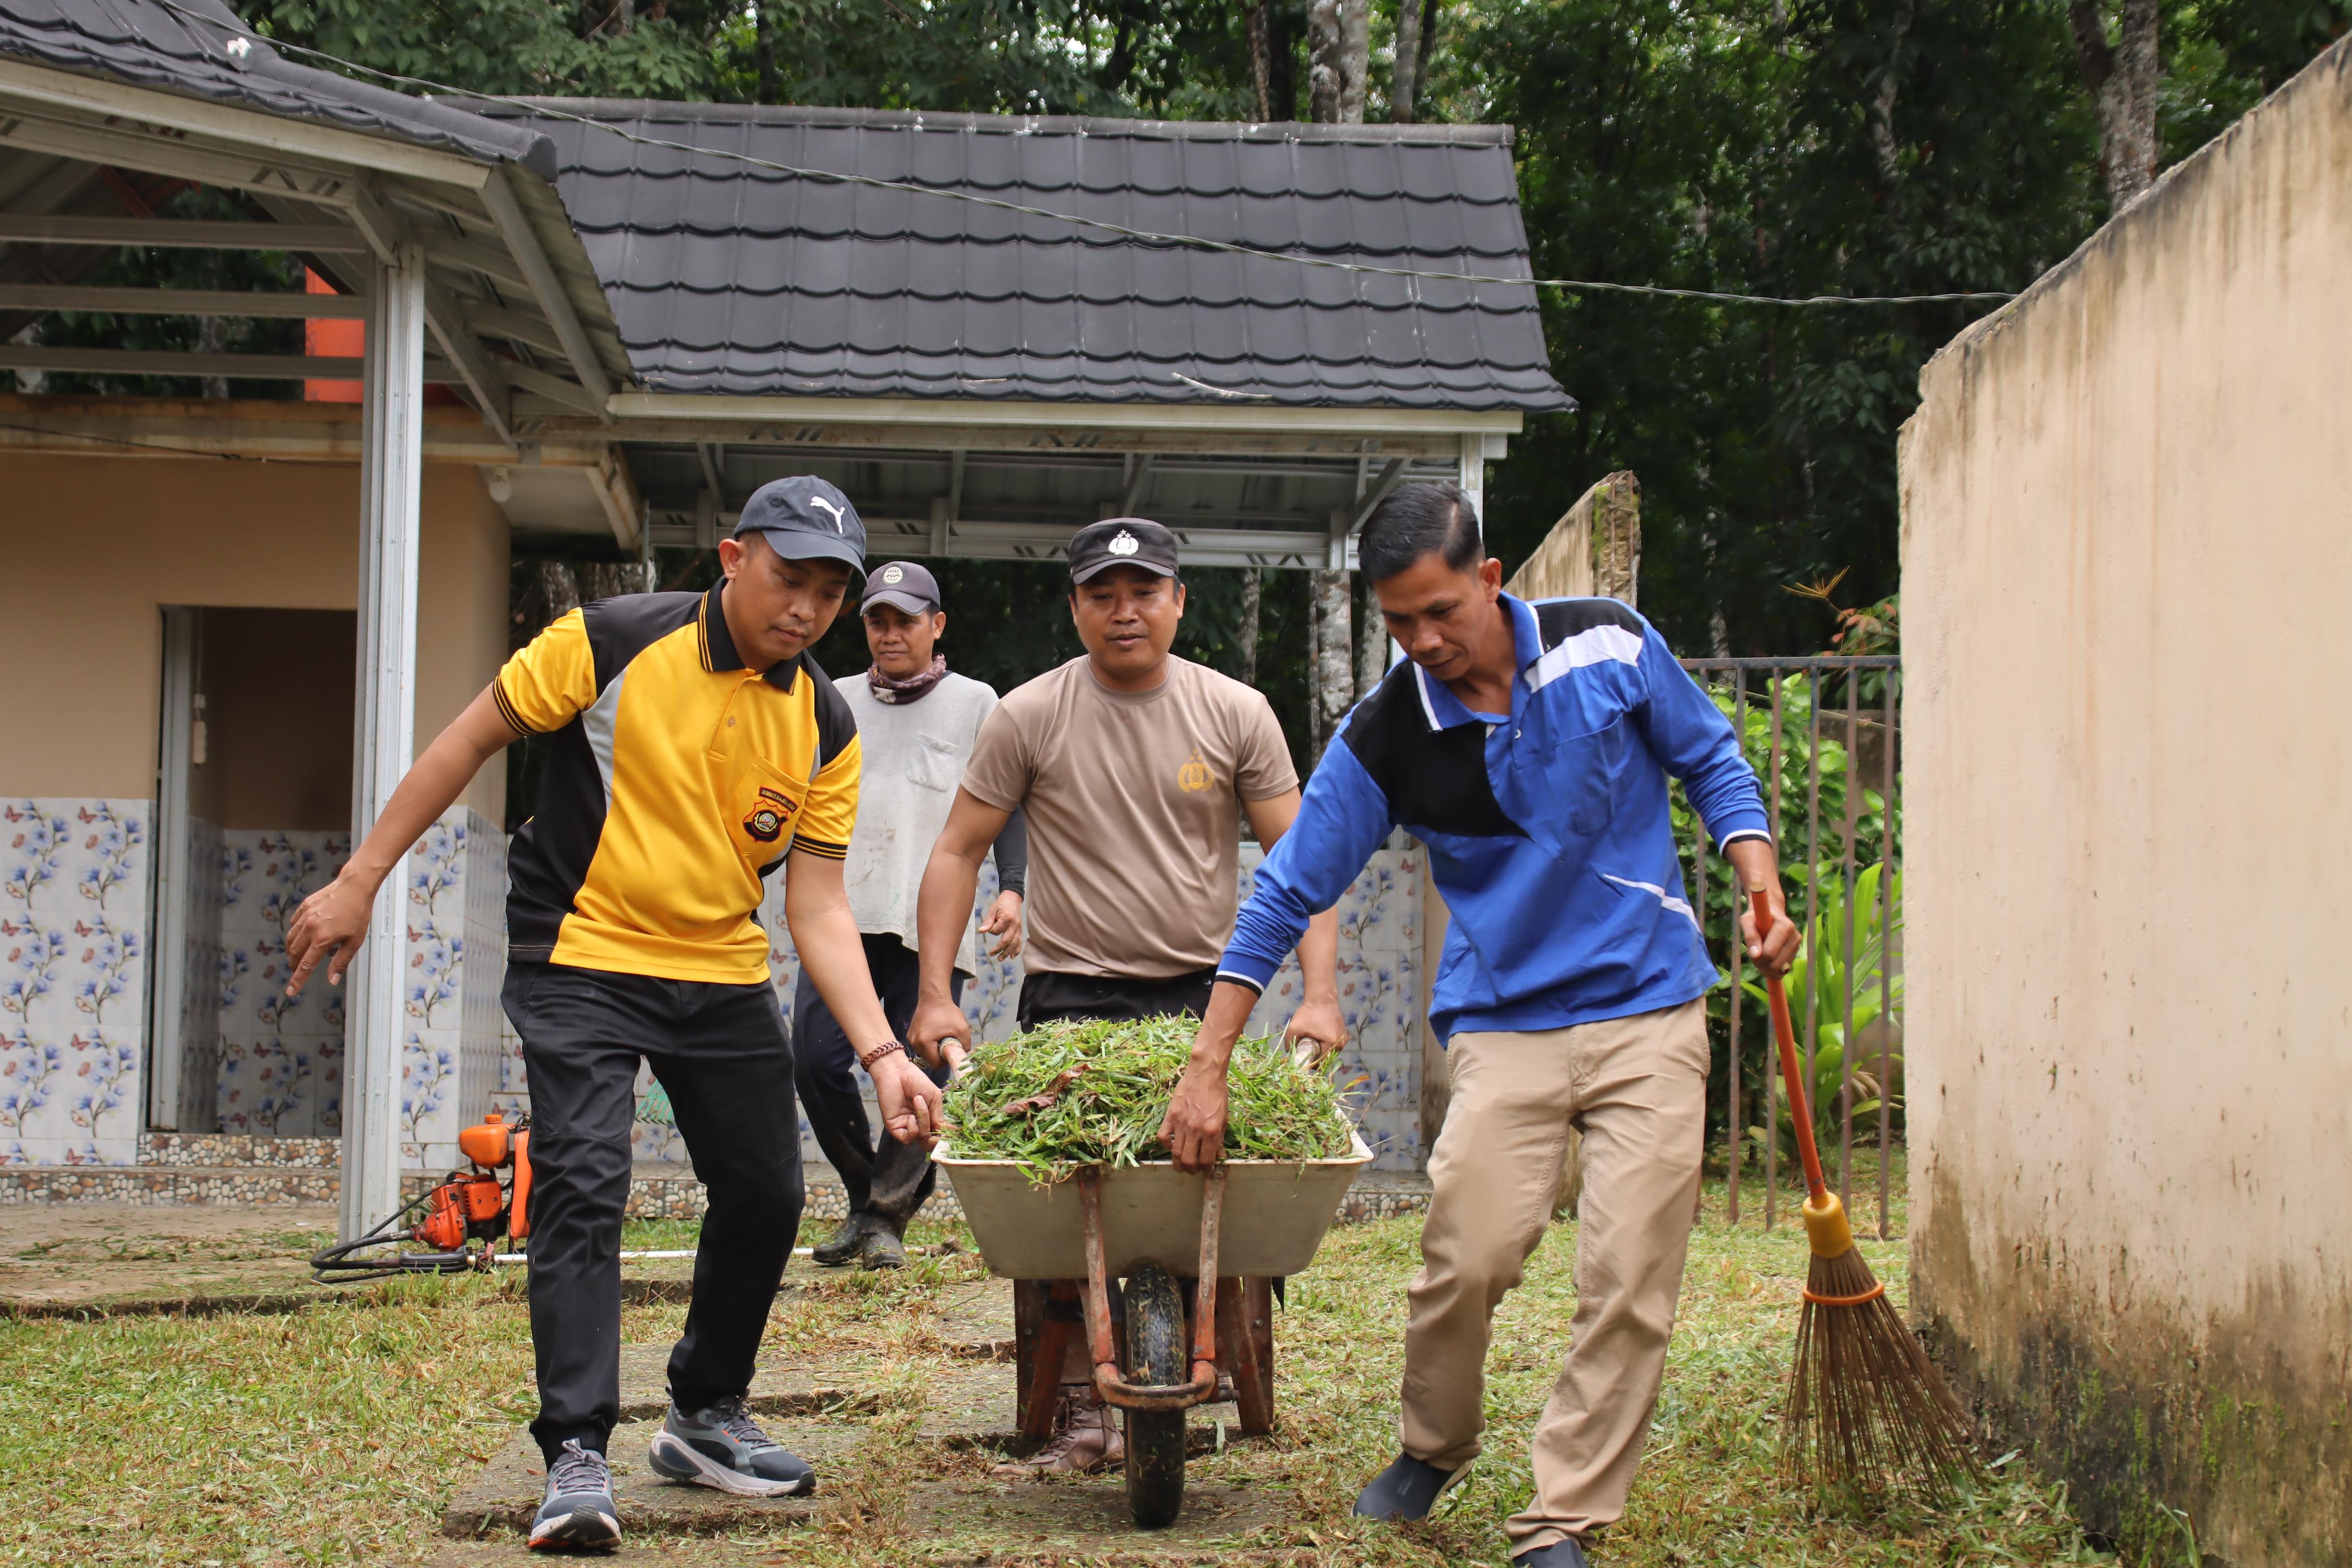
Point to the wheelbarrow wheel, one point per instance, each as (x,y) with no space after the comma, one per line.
(1156,1353)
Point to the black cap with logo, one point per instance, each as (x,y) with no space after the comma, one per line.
(904,585)
(806,518)
(1122,541)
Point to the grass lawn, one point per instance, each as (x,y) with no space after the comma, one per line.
(336,1433)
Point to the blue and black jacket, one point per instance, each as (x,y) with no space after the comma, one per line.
(1547,828)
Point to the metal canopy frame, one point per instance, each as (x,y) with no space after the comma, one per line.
(428,244)
(1294,510)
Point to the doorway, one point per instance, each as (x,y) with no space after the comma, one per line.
(253,814)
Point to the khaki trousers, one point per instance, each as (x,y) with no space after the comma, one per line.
(1636,1088)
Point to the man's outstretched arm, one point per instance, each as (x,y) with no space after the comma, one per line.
(333,922)
(1318,1018)
(1340,821)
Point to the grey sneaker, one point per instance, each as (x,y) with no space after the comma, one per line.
(579,1511)
(842,1247)
(1565,1552)
(722,1446)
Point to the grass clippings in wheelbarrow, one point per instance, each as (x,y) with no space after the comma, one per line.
(1071,1094)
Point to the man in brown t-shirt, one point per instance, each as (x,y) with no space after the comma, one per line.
(1134,769)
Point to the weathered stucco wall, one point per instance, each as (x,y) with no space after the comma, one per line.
(2128,560)
(93,546)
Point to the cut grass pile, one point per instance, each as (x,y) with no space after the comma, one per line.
(336,1434)
(1071,1094)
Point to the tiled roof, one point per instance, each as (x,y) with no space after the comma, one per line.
(729,279)
(152,45)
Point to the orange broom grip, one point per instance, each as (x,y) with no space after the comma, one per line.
(1759,904)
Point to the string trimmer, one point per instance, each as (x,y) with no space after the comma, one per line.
(472,1205)
(1866,1408)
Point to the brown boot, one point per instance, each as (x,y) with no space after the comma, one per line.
(1086,1437)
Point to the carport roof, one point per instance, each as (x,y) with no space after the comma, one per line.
(734,279)
(202,49)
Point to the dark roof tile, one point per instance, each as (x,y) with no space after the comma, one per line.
(185,48)
(728,277)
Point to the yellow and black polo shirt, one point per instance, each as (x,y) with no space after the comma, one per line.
(679,780)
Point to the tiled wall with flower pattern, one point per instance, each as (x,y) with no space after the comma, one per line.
(75,889)
(75,884)
(281,1058)
(73,978)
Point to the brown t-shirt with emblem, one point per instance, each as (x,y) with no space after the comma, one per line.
(1134,806)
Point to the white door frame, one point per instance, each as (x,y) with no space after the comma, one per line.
(167,997)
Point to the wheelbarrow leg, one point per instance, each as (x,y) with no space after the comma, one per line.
(1046,1321)
(1245,1346)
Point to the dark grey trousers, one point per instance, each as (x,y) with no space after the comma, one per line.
(890,1181)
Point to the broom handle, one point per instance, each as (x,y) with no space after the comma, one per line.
(1759,904)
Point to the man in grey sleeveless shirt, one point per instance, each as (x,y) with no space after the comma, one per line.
(917,722)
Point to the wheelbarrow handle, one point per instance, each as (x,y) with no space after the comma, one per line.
(1116,1389)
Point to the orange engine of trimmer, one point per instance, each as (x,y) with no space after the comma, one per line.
(475,1206)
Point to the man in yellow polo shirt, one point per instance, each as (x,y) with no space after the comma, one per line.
(695,749)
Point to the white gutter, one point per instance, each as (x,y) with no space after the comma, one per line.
(217,122)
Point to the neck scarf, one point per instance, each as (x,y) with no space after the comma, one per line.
(914,688)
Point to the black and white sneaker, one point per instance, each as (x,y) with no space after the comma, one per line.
(722,1446)
(577,1514)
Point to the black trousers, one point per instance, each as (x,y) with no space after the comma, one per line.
(720,1053)
(1045,999)
(893,1180)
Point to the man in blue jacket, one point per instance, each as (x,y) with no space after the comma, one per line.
(1527,746)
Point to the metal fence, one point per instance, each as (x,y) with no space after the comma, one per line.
(1825,737)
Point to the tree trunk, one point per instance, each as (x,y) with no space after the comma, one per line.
(2123,78)
(1333,673)
(1356,58)
(765,28)
(1339,38)
(1339,44)
(1371,646)
(211,337)
(1406,80)
(1282,65)
(1261,82)
(1245,633)
(611,578)
(1882,97)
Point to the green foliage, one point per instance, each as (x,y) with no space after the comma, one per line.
(1730,146)
(1826,981)
(1071,1094)
(514,47)
(1816,847)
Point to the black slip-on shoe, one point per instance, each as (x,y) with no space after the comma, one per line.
(1565,1552)
(841,1247)
(577,1514)
(881,1249)
(1407,1489)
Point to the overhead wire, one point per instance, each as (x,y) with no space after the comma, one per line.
(540,107)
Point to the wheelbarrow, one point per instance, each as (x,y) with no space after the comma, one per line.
(1197,1253)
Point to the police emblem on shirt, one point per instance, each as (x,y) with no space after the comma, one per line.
(1194,776)
(766,823)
